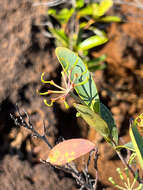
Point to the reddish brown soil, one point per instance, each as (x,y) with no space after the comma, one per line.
(24,54)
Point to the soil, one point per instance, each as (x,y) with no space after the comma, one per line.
(24,54)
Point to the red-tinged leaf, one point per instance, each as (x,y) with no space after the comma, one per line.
(69,150)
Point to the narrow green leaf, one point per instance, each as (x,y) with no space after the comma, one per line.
(98,32)
(91,42)
(96,64)
(86,87)
(94,120)
(107,116)
(60,36)
(88,10)
(62,16)
(110,19)
(82,24)
(137,142)
(98,59)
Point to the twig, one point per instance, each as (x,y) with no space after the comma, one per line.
(19,121)
(82,178)
(128,166)
(95,166)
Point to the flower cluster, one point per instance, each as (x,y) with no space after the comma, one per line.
(62,92)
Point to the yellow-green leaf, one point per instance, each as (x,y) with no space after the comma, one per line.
(79,3)
(88,10)
(110,19)
(60,36)
(92,41)
(104,6)
(94,120)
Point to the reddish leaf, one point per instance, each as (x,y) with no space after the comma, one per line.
(69,150)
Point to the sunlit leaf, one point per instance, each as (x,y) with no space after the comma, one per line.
(98,32)
(87,90)
(92,41)
(65,14)
(51,12)
(82,24)
(79,3)
(88,10)
(104,6)
(94,120)
(69,150)
(137,141)
(110,19)
(62,16)
(60,36)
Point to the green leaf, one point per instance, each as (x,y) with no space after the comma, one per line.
(104,6)
(91,42)
(107,116)
(98,59)
(137,142)
(98,32)
(52,12)
(86,87)
(79,3)
(60,36)
(128,146)
(88,10)
(110,19)
(96,64)
(79,39)
(82,24)
(94,120)
(63,16)
(95,10)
